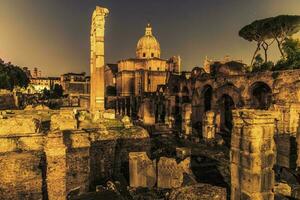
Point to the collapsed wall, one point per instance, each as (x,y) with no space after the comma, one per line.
(39,164)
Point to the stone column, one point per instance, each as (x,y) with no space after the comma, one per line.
(285,137)
(208,125)
(56,166)
(252,155)
(97,59)
(186,119)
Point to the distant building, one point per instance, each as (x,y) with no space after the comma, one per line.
(75,84)
(137,77)
(36,73)
(40,83)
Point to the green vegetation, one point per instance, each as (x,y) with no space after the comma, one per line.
(12,76)
(291,49)
(267,31)
(54,93)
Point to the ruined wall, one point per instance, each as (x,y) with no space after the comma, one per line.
(280,88)
(252,155)
(7,101)
(38,164)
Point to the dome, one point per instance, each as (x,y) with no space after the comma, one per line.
(148,46)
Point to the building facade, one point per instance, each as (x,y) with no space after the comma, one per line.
(140,77)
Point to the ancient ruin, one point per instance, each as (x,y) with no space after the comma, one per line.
(97,59)
(142,128)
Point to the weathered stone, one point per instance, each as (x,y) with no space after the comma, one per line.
(283,189)
(19,125)
(183,152)
(169,173)
(21,176)
(97,59)
(185,166)
(286,150)
(208,125)
(127,122)
(186,119)
(199,191)
(56,166)
(252,155)
(142,170)
(146,112)
(109,114)
(65,120)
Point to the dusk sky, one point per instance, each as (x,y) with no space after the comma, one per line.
(54,34)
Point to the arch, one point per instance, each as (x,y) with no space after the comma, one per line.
(185,90)
(261,95)
(225,106)
(175,89)
(206,95)
(230,90)
(185,94)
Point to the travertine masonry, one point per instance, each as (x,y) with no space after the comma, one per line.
(142,170)
(51,164)
(65,120)
(252,155)
(208,125)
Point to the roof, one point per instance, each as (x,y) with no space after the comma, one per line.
(112,67)
(141,59)
(75,74)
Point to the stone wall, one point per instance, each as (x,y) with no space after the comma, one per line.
(7,101)
(48,164)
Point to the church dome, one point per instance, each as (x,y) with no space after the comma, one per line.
(148,46)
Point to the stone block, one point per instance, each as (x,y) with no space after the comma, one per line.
(19,125)
(170,174)
(65,120)
(257,162)
(80,140)
(32,143)
(183,152)
(283,189)
(142,170)
(199,191)
(8,144)
(257,182)
(110,114)
(209,125)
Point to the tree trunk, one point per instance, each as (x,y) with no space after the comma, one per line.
(255,53)
(265,47)
(279,43)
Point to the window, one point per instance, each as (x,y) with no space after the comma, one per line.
(158,69)
(144,55)
(152,55)
(149,81)
(150,68)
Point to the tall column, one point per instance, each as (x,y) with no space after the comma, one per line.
(97,59)
(252,155)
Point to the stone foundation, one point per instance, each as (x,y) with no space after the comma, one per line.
(51,164)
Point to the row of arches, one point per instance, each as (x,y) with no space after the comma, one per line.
(226,98)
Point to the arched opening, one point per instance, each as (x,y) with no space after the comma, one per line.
(207,97)
(185,95)
(175,90)
(261,96)
(226,105)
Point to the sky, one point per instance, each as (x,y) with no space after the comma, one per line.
(53,35)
